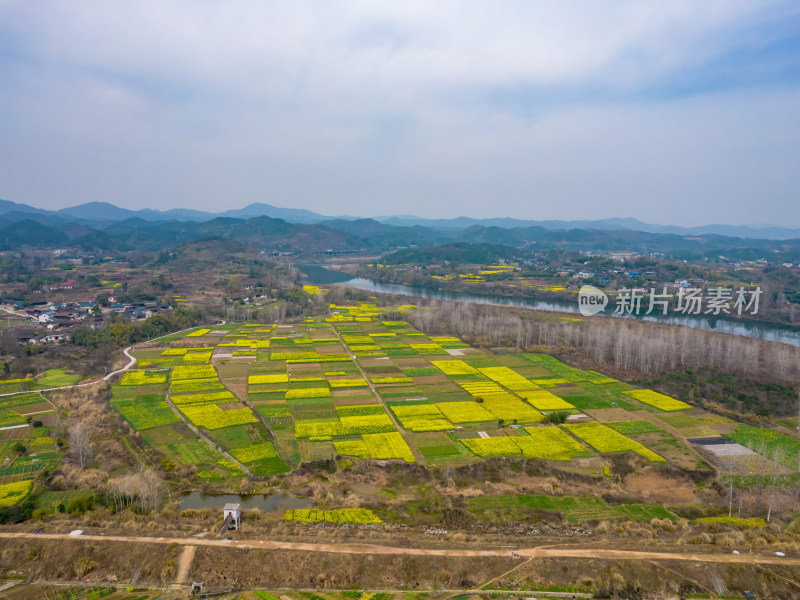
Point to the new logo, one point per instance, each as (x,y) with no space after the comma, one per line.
(591,300)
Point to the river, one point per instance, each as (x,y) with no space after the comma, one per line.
(319,275)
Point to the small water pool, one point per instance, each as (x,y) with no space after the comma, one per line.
(273,503)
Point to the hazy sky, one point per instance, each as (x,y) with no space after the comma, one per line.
(680,111)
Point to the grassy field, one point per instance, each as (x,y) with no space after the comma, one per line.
(52,502)
(572,508)
(55,378)
(767,442)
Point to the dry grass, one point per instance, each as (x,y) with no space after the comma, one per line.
(71,560)
(653,486)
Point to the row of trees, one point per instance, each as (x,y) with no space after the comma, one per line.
(630,347)
(774,489)
(119,332)
(142,489)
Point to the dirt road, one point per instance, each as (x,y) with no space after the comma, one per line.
(185,563)
(131,363)
(14,312)
(131,359)
(540,552)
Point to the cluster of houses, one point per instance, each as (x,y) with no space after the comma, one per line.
(57,320)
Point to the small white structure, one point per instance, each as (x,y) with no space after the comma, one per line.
(232,515)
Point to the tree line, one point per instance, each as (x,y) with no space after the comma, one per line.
(625,347)
(119,332)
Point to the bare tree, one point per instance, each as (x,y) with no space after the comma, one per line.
(629,346)
(145,486)
(80,443)
(742,470)
(150,490)
(730,465)
(796,461)
(777,457)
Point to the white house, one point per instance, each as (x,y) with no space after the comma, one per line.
(232,515)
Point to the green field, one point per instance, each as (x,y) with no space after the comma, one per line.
(53,501)
(633,427)
(572,508)
(768,443)
(55,378)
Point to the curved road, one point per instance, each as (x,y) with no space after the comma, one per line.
(132,361)
(11,311)
(540,552)
(126,352)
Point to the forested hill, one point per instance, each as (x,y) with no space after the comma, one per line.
(369,236)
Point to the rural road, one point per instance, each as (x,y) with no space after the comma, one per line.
(185,564)
(126,352)
(130,357)
(14,312)
(541,552)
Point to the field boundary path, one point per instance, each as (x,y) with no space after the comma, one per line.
(204,437)
(375,393)
(185,564)
(272,435)
(366,549)
(126,352)
(131,362)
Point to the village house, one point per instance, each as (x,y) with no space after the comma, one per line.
(65,285)
(56,336)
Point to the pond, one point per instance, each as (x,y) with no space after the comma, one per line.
(273,503)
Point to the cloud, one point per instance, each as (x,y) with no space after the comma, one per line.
(513,108)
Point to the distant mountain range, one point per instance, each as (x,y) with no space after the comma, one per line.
(100,229)
(103,214)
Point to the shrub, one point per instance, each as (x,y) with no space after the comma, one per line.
(738,522)
(557,417)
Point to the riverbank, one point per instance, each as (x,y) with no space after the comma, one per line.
(776,332)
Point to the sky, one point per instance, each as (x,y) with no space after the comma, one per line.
(678,112)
